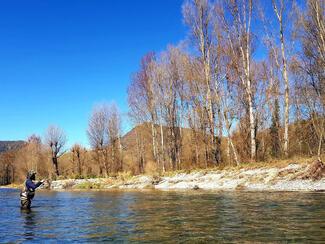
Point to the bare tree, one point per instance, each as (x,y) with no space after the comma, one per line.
(309,68)
(78,158)
(104,134)
(195,97)
(114,137)
(33,153)
(199,16)
(169,82)
(228,104)
(279,12)
(218,88)
(55,139)
(7,173)
(140,151)
(98,138)
(237,23)
(142,100)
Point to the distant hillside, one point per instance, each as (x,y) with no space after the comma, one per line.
(142,134)
(10,145)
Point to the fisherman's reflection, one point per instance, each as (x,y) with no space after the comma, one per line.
(29,223)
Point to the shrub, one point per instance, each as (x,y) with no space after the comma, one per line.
(88,185)
(125,175)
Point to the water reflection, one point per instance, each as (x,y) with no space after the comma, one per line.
(110,217)
(166,217)
(29,223)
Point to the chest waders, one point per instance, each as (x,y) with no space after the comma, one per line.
(26,196)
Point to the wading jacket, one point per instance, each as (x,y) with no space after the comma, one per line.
(28,191)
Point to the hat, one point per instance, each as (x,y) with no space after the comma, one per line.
(31,173)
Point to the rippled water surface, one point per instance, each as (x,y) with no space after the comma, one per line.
(163,216)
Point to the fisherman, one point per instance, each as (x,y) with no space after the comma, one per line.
(28,191)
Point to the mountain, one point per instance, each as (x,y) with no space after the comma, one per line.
(139,138)
(10,145)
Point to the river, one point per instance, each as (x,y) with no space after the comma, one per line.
(157,216)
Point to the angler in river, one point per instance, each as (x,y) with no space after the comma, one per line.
(28,191)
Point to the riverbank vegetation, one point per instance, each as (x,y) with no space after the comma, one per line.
(247,84)
(296,174)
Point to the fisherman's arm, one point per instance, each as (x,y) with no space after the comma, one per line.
(31,185)
(38,183)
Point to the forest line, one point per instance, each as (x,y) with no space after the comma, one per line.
(247,84)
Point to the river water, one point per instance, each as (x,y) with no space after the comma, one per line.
(154,216)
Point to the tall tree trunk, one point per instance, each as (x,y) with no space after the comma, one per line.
(319,151)
(252,128)
(120,154)
(230,140)
(79,163)
(205,55)
(250,95)
(179,145)
(154,143)
(286,91)
(219,155)
(55,163)
(105,157)
(99,161)
(139,153)
(196,151)
(206,153)
(245,49)
(162,148)
(279,14)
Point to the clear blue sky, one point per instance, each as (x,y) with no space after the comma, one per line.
(58,58)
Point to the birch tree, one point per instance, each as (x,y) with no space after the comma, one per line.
(237,20)
(309,67)
(279,9)
(170,97)
(142,101)
(199,16)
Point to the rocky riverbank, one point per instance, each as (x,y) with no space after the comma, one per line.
(293,177)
